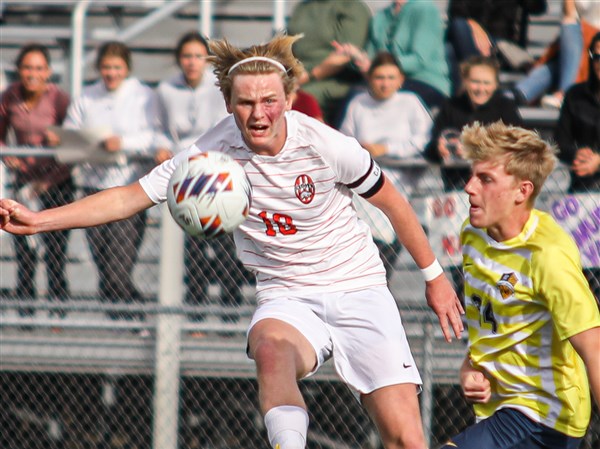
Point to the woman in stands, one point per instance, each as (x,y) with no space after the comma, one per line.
(126,108)
(480,101)
(190,103)
(28,108)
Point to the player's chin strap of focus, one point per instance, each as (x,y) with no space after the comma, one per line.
(432,271)
(271,61)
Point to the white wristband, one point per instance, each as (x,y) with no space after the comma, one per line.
(432,271)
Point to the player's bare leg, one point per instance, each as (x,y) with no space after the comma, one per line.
(395,411)
(282,356)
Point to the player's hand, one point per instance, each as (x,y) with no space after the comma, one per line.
(476,387)
(16,218)
(442,298)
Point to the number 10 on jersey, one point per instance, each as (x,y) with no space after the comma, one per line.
(284,224)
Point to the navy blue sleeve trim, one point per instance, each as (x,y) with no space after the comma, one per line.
(376,188)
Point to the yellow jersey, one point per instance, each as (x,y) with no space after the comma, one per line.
(524,298)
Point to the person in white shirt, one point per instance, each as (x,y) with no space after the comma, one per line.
(125,109)
(388,122)
(189,104)
(321,286)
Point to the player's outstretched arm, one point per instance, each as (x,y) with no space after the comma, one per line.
(587,345)
(441,297)
(103,207)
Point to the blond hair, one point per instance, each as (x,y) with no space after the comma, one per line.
(524,153)
(279,49)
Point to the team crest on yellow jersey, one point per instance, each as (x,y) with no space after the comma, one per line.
(506,285)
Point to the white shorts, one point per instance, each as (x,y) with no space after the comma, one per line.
(362,330)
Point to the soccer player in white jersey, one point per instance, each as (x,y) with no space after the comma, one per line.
(321,286)
(534,326)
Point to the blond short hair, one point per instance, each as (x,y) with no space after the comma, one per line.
(524,153)
(279,49)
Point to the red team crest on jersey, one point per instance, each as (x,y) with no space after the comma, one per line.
(304,187)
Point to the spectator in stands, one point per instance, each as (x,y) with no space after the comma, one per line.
(125,110)
(387,121)
(391,123)
(565,61)
(477,27)
(329,76)
(189,104)
(578,137)
(413,32)
(28,108)
(481,101)
(306,103)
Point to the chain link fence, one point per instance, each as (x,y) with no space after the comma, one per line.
(90,367)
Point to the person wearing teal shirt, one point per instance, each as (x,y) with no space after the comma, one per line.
(413,31)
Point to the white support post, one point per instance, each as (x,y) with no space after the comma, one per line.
(206,17)
(427,394)
(77,43)
(168,336)
(279,16)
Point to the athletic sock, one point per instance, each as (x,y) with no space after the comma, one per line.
(287,426)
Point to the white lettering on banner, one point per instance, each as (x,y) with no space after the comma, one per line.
(444,216)
(579,215)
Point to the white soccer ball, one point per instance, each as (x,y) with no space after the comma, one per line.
(209,194)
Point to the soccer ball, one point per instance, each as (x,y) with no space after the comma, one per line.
(209,194)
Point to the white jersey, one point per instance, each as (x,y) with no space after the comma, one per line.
(302,234)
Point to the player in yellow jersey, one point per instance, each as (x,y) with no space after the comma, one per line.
(534,326)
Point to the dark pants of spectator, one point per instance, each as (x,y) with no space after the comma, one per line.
(115,248)
(460,36)
(214,260)
(55,256)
